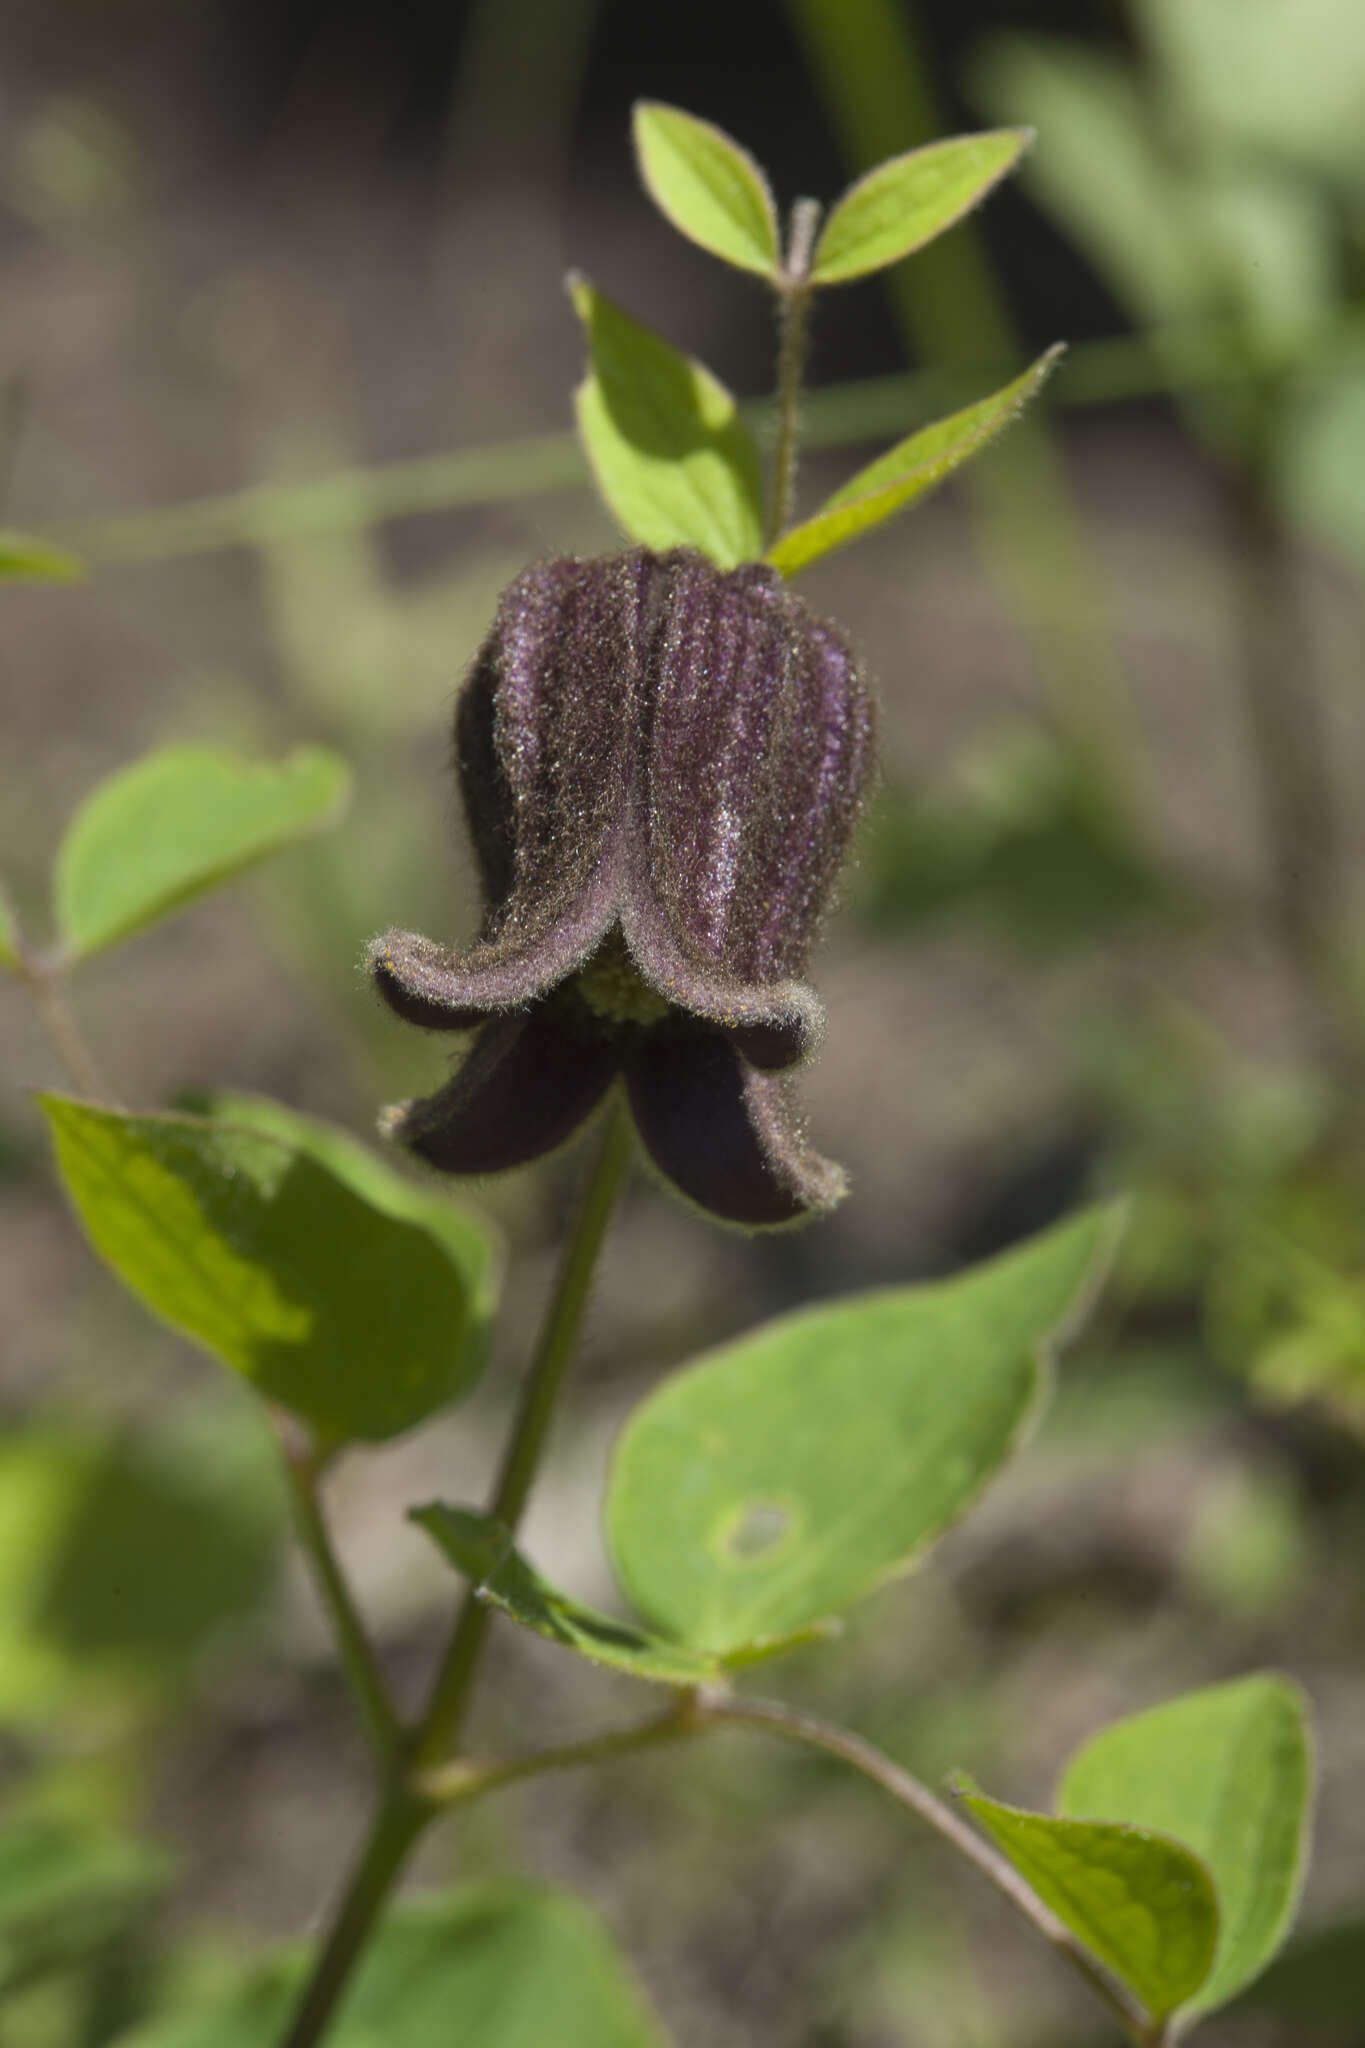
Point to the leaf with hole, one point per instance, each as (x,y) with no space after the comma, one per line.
(483,1550)
(23,558)
(158,834)
(710,188)
(1138,1900)
(907,472)
(904,203)
(670,453)
(500,1965)
(352,1316)
(1227,1772)
(786,1476)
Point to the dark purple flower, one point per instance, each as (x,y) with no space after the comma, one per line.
(661,764)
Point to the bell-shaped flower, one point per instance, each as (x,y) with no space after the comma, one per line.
(661,764)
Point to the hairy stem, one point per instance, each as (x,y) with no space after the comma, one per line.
(377,1712)
(804,1729)
(794,296)
(405,1810)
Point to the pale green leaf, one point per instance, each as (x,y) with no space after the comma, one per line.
(904,203)
(710,188)
(1138,1900)
(25,558)
(483,1550)
(787,1475)
(503,1965)
(160,833)
(907,471)
(1227,1772)
(671,456)
(351,1316)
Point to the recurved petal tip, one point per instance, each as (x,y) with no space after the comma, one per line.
(728,1138)
(527,1084)
(421,982)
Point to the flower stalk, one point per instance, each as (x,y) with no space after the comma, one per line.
(405,1808)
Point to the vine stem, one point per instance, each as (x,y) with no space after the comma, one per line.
(794,290)
(405,1809)
(808,1732)
(304,1468)
(43,978)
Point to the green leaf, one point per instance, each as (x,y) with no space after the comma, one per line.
(710,188)
(1141,1902)
(789,1474)
(471,1241)
(22,557)
(66,1891)
(907,471)
(351,1316)
(671,456)
(904,203)
(120,1562)
(1227,1772)
(483,1550)
(160,833)
(489,1966)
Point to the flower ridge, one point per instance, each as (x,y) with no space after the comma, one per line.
(661,763)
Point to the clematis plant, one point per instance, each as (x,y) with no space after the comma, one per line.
(662,755)
(661,764)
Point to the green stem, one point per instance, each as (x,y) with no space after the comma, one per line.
(406,1810)
(377,1713)
(525,1447)
(794,297)
(397,1825)
(805,1730)
(1183,357)
(43,980)
(469,1778)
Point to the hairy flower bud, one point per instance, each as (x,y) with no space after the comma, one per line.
(661,764)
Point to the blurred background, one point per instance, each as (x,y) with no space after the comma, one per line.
(285,354)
